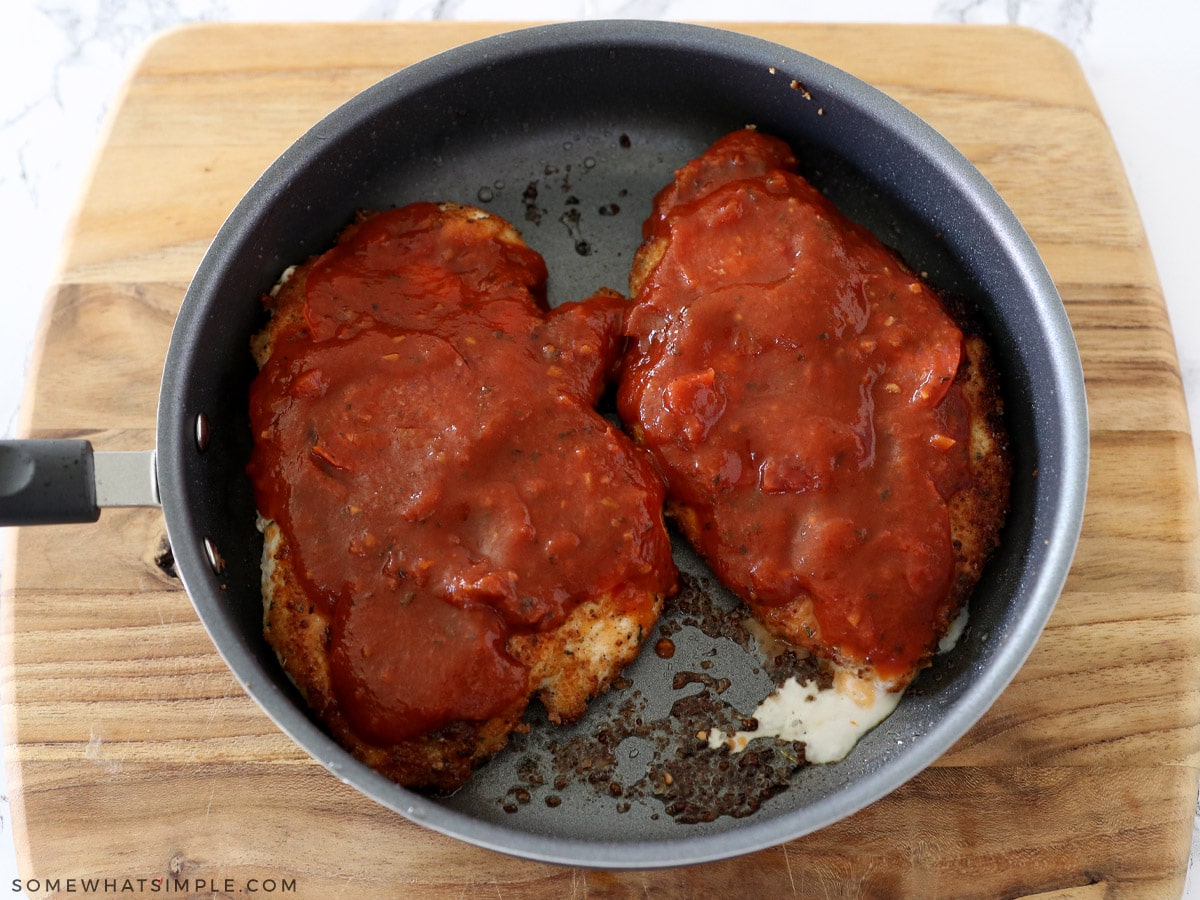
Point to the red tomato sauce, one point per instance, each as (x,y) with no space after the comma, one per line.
(794,381)
(427,440)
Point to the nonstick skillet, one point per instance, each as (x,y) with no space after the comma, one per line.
(568,131)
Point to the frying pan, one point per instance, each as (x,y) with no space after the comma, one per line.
(568,131)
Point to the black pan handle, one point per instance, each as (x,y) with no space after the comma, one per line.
(54,482)
(47,482)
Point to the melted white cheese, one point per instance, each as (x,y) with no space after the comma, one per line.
(830,722)
(954,632)
(283,279)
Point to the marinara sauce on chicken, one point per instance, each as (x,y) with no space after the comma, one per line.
(450,525)
(831,440)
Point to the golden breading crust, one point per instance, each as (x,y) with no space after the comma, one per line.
(645,260)
(567,665)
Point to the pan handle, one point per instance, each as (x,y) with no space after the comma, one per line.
(50,482)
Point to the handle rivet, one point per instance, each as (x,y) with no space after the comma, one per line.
(202,433)
(214,558)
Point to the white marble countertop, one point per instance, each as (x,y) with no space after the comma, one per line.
(63,61)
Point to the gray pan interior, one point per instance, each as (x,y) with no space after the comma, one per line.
(568,131)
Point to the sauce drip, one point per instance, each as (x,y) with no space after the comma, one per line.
(795,383)
(426,439)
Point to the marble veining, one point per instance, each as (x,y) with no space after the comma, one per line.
(1068,20)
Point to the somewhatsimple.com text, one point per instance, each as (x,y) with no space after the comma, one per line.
(155,885)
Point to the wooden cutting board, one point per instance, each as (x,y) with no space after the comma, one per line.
(133,754)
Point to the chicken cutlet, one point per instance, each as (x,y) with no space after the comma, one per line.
(450,527)
(831,438)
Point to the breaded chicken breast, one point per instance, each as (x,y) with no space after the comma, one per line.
(832,441)
(450,528)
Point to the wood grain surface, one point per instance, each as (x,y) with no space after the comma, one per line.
(133,753)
